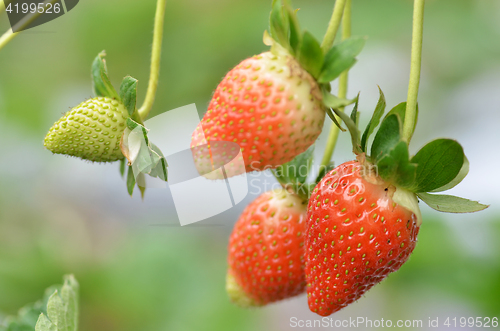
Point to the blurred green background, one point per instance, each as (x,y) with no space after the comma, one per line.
(60,215)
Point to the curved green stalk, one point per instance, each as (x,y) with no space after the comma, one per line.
(2,7)
(343,79)
(416,63)
(155,60)
(334,25)
(9,35)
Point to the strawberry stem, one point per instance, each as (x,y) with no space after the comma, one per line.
(24,22)
(343,79)
(333,26)
(155,60)
(2,6)
(416,64)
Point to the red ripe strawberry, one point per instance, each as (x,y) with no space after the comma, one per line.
(356,236)
(270,106)
(266,250)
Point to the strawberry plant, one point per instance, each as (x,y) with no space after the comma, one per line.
(58,311)
(363,217)
(99,129)
(334,237)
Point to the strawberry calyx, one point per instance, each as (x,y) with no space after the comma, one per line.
(105,121)
(438,166)
(286,37)
(144,158)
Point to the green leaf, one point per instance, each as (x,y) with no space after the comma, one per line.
(374,121)
(128,94)
(131,124)
(296,171)
(354,113)
(335,102)
(387,137)
(439,163)
(144,157)
(146,160)
(310,54)
(130,144)
(122,167)
(401,111)
(28,315)
(61,309)
(141,184)
(340,58)
(130,181)
(56,312)
(461,175)
(450,203)
(279,24)
(69,297)
(353,130)
(331,115)
(160,170)
(101,82)
(395,167)
(44,324)
(295,35)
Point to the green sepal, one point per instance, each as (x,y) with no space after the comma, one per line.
(340,58)
(439,163)
(331,115)
(44,324)
(147,159)
(374,121)
(461,175)
(101,83)
(389,152)
(130,181)
(278,24)
(450,203)
(354,113)
(333,101)
(128,94)
(295,35)
(70,299)
(395,167)
(160,170)
(387,137)
(142,187)
(131,125)
(353,130)
(310,55)
(56,311)
(144,156)
(122,166)
(400,109)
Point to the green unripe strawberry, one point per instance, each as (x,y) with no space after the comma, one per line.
(91,131)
